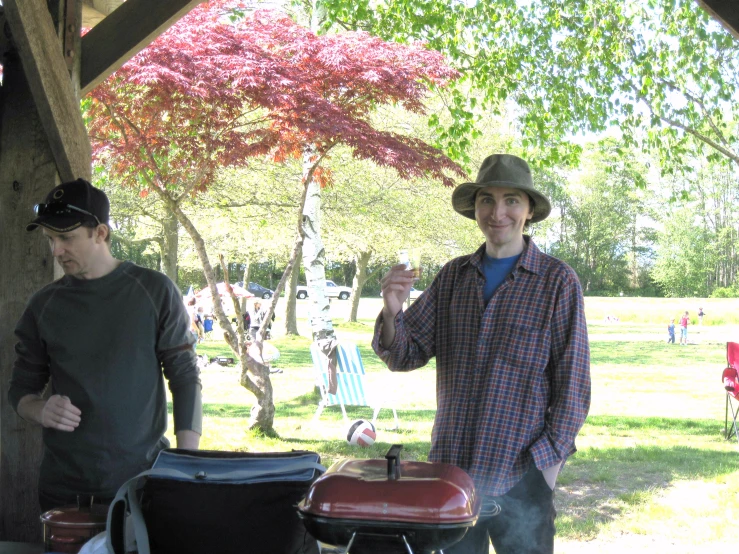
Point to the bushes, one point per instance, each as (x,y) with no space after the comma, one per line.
(725,292)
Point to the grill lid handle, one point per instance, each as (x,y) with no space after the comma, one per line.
(393,462)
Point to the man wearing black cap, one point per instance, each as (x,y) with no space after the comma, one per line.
(102,335)
(507,327)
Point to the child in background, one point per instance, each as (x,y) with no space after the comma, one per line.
(671,332)
(684,321)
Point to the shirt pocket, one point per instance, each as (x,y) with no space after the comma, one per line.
(520,374)
(525,349)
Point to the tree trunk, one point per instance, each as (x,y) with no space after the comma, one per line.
(291,319)
(314,255)
(361,260)
(170,245)
(27,173)
(254,375)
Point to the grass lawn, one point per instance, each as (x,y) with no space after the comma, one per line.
(652,472)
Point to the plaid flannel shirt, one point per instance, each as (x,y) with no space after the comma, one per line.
(513,377)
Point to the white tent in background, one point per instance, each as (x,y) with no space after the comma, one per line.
(205,299)
(240,292)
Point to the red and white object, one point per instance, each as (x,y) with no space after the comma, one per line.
(730,379)
(361,433)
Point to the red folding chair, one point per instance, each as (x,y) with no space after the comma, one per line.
(730,378)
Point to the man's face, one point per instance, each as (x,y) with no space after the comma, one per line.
(501,214)
(78,251)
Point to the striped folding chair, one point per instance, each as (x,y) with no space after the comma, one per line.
(350,379)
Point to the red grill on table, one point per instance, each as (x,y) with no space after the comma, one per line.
(388,506)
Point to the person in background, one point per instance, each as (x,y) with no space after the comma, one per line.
(684,321)
(701,313)
(507,327)
(192,313)
(200,323)
(255,319)
(671,331)
(104,336)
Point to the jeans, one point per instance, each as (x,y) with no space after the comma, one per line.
(525,524)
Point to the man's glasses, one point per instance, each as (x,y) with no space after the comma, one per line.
(61,208)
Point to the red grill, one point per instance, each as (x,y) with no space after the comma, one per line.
(389,506)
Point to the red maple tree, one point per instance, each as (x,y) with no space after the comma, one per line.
(212,92)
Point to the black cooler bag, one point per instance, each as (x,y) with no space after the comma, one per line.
(200,501)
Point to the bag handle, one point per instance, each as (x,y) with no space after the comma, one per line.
(126,501)
(238,475)
(125,505)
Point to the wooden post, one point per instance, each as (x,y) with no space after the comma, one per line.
(42,136)
(27,173)
(38,138)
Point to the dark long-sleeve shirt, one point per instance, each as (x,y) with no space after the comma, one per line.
(513,377)
(104,343)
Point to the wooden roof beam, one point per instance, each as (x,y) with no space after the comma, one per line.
(40,50)
(124,33)
(90,16)
(725,11)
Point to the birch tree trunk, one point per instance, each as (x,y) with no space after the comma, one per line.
(314,254)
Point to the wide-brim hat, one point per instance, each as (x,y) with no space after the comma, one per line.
(69,205)
(501,170)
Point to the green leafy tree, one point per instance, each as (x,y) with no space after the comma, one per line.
(697,251)
(210,93)
(663,71)
(369,214)
(598,233)
(143,230)
(682,262)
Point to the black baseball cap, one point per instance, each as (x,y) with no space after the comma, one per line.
(69,205)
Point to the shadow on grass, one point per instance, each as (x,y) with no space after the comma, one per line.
(598,485)
(305,406)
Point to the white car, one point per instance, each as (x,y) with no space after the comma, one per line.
(332,290)
(414,294)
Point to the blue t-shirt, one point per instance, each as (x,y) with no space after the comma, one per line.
(496,270)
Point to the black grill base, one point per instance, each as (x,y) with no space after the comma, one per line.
(377,537)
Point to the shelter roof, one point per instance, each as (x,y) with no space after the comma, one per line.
(725,11)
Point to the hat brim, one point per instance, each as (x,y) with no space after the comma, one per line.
(463,198)
(55,223)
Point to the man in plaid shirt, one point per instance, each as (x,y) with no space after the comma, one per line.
(507,327)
